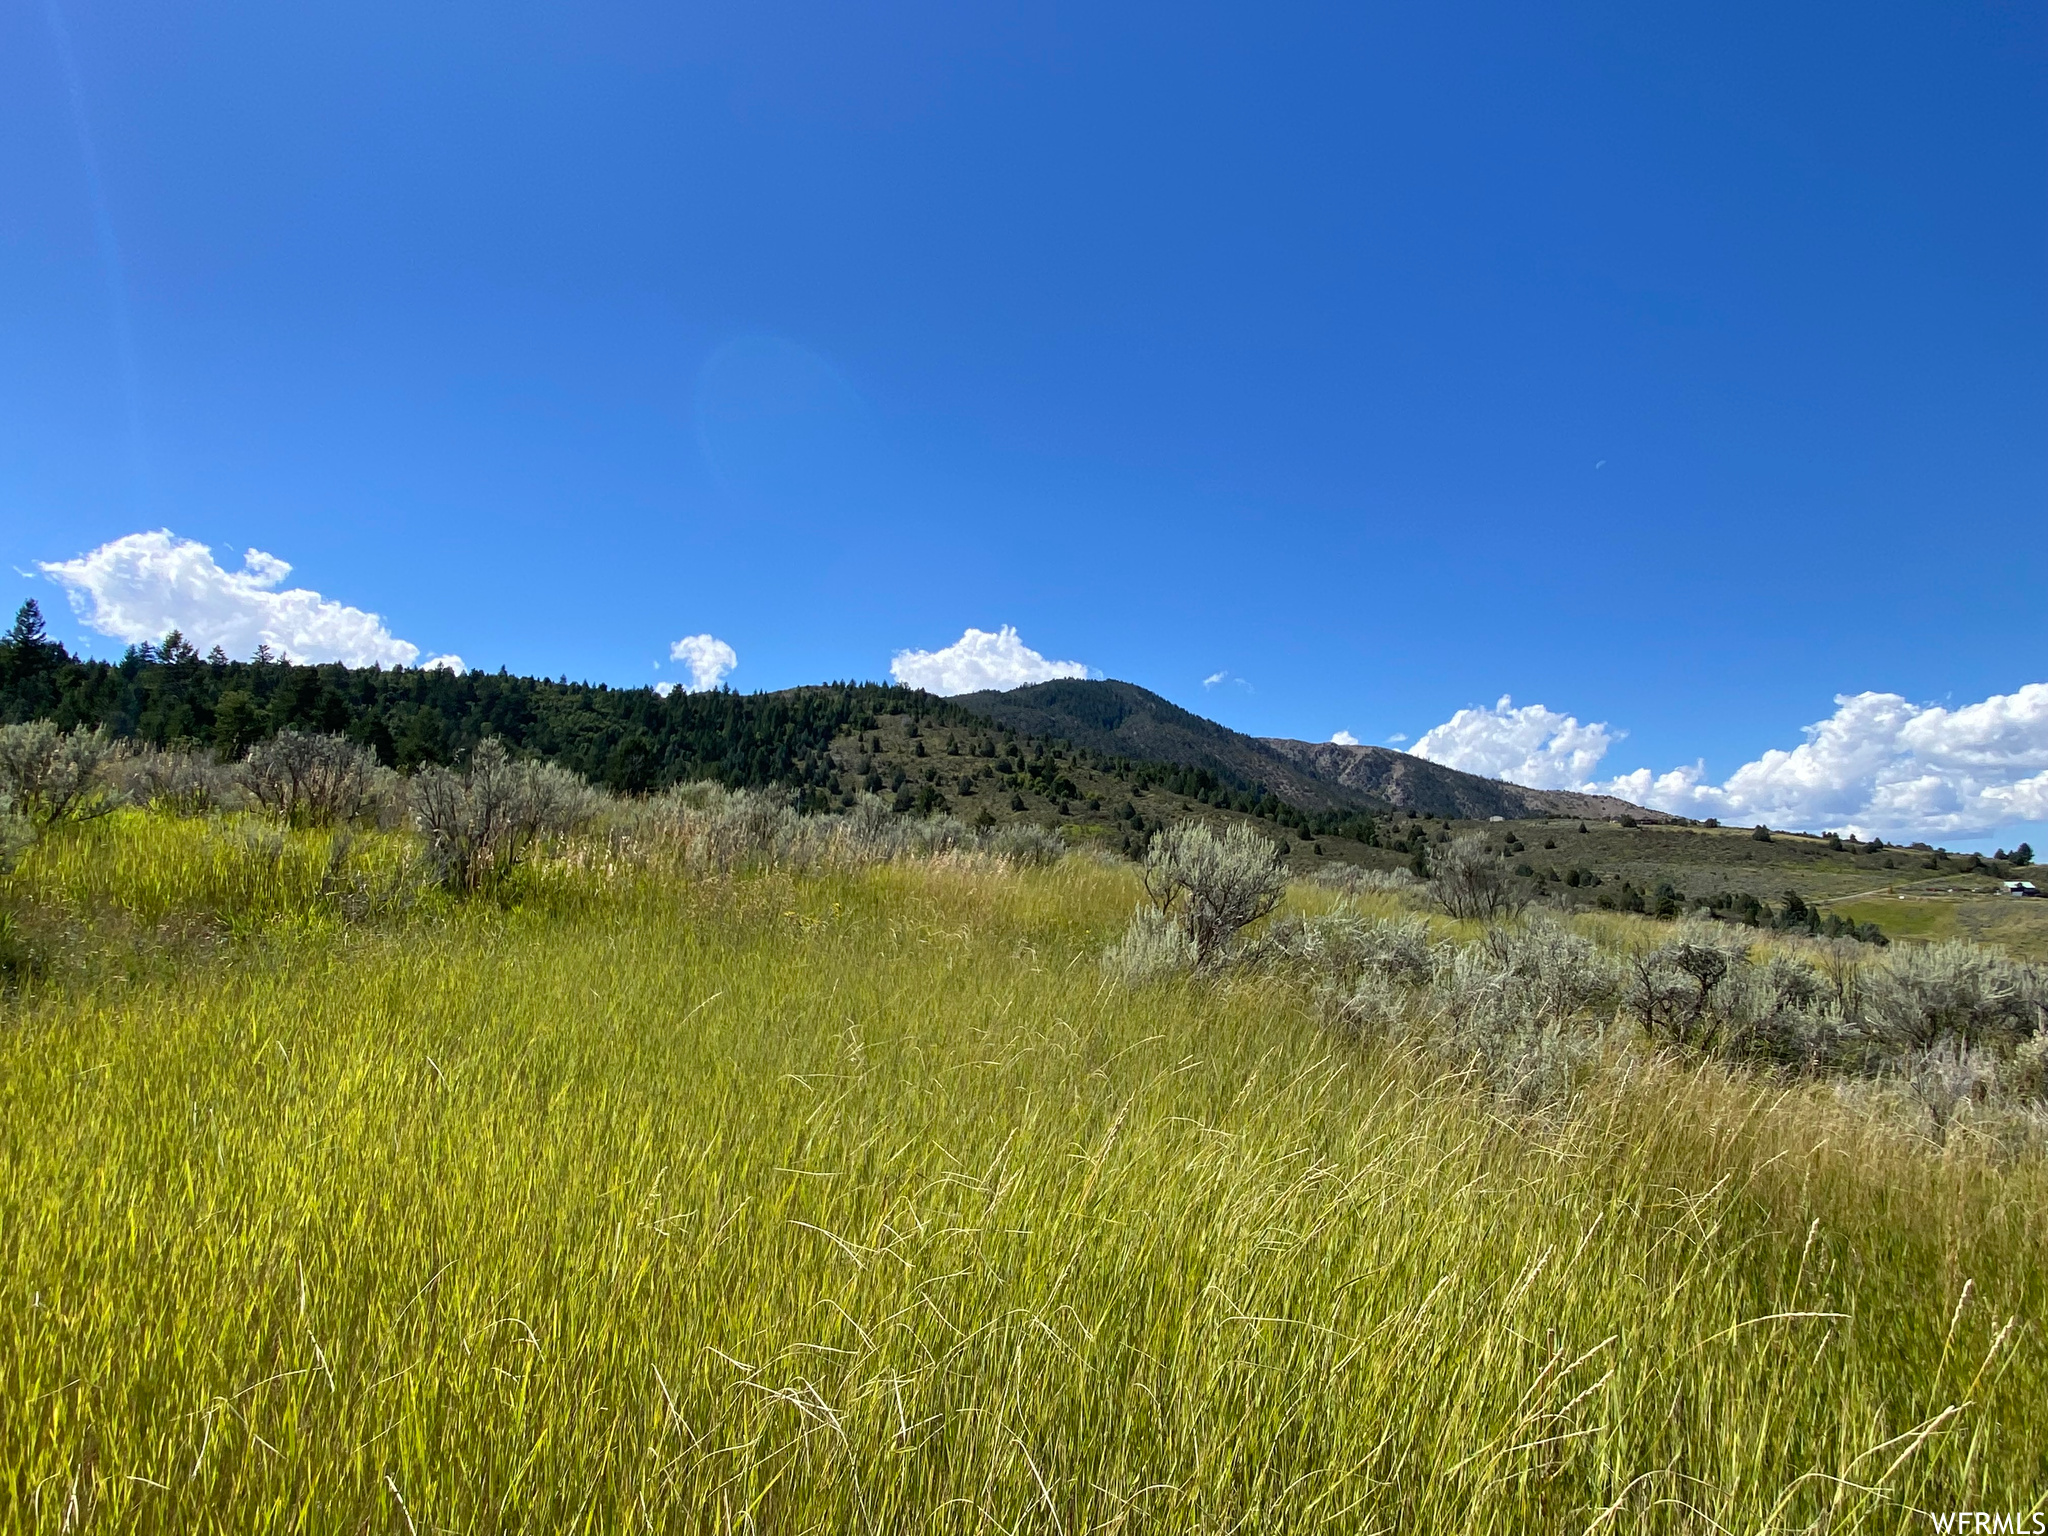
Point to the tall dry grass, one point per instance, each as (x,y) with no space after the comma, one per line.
(858,1199)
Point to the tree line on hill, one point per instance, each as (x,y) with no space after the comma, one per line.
(626,739)
(629,740)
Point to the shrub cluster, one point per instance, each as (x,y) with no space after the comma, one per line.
(1522,1007)
(47,777)
(1531,1006)
(316,781)
(477,822)
(711,829)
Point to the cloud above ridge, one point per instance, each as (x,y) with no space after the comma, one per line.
(1880,765)
(979,660)
(1531,745)
(708,658)
(141,586)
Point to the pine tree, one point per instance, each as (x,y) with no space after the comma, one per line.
(28,648)
(28,632)
(236,725)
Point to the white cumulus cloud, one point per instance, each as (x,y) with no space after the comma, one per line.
(143,585)
(1530,745)
(1344,739)
(979,660)
(708,658)
(1885,766)
(1880,765)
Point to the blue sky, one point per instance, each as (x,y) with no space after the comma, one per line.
(1675,372)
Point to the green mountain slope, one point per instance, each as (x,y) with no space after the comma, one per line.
(1125,720)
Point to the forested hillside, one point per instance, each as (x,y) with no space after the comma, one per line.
(624,738)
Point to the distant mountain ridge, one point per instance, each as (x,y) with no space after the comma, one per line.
(1128,721)
(1408,782)
(1124,720)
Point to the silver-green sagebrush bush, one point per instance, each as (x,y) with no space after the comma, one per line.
(1522,1007)
(183,783)
(1154,946)
(1471,880)
(1212,885)
(482,822)
(712,829)
(2025,1072)
(16,834)
(1931,993)
(49,775)
(1514,1008)
(1674,990)
(312,781)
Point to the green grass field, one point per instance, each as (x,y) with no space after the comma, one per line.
(861,1202)
(2018,926)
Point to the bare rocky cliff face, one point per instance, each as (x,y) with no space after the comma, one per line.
(1412,783)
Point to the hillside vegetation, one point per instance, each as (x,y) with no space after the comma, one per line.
(628,739)
(707,1166)
(1105,763)
(1123,720)
(634,739)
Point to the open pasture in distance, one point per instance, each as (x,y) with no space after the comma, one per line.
(1703,860)
(863,1201)
(1946,896)
(2018,926)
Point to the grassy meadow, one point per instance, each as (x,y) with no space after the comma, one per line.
(862,1201)
(2020,927)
